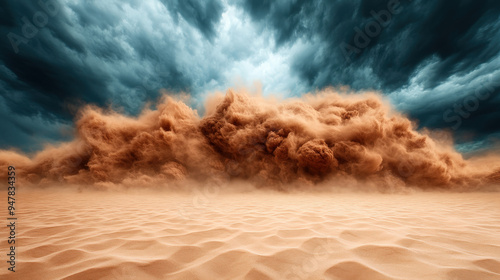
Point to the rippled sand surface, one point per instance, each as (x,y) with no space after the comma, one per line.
(105,235)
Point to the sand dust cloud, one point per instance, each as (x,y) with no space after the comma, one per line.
(328,138)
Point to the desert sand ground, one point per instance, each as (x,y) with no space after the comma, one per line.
(159,235)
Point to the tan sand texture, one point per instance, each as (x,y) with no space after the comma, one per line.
(161,235)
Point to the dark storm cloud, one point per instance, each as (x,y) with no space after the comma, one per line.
(30,133)
(429,57)
(448,39)
(204,15)
(457,32)
(471,112)
(56,56)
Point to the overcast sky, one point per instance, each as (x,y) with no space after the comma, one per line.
(437,61)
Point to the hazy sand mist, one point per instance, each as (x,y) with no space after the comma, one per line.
(327,137)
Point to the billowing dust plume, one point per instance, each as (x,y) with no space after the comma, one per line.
(321,139)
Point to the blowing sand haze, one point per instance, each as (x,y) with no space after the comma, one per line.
(327,137)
